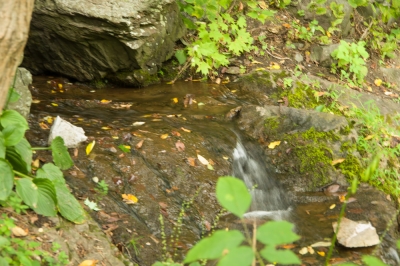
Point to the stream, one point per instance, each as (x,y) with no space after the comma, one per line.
(166,127)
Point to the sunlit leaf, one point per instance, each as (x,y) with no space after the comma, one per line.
(88,263)
(233,195)
(54,104)
(91,204)
(210,167)
(104,101)
(129,198)
(164,136)
(175,100)
(106,128)
(139,123)
(202,159)
(273,144)
(378,82)
(321,253)
(186,130)
(89,147)
(337,161)
(332,206)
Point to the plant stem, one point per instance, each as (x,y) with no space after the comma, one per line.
(41,148)
(22,175)
(250,241)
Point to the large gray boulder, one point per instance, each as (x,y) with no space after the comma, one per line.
(123,40)
(22,81)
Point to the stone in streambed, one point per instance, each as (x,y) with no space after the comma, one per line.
(71,134)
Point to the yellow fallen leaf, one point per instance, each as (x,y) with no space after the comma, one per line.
(202,159)
(36,163)
(328,34)
(49,119)
(129,198)
(54,104)
(170,82)
(115,137)
(104,101)
(88,263)
(256,62)
(332,206)
(106,128)
(334,162)
(127,147)
(175,100)
(321,253)
(310,250)
(273,144)
(164,136)
(303,251)
(342,198)
(186,130)
(53,91)
(274,65)
(89,147)
(35,101)
(225,157)
(378,82)
(59,86)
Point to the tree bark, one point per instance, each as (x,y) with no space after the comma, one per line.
(15,17)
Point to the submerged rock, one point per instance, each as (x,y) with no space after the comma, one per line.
(356,234)
(125,41)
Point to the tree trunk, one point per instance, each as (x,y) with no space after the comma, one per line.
(15,17)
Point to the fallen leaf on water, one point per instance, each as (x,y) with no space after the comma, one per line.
(332,206)
(310,250)
(210,167)
(140,144)
(180,145)
(334,162)
(88,263)
(35,101)
(163,205)
(106,128)
(186,130)
(129,198)
(170,82)
(89,147)
(164,136)
(342,198)
(202,159)
(104,101)
(192,161)
(225,157)
(321,253)
(59,85)
(135,124)
(273,144)
(175,100)
(18,231)
(303,251)
(43,125)
(176,133)
(54,104)
(49,119)
(378,82)
(321,244)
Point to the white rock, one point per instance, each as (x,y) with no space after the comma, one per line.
(71,134)
(356,234)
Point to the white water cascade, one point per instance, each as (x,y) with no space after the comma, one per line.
(268,199)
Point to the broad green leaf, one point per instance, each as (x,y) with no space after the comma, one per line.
(60,154)
(242,256)
(276,233)
(372,261)
(24,149)
(225,3)
(233,195)
(2,146)
(68,206)
(284,257)
(181,56)
(15,159)
(4,242)
(12,117)
(46,197)
(28,192)
(13,134)
(215,246)
(52,172)
(6,179)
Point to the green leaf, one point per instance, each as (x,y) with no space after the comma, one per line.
(6,179)
(3,262)
(372,261)
(215,246)
(181,56)
(233,195)
(276,233)
(12,117)
(4,242)
(68,206)
(91,204)
(122,148)
(284,257)
(2,146)
(60,154)
(52,172)
(15,159)
(24,149)
(28,192)
(13,134)
(225,3)
(242,256)
(46,197)
(13,95)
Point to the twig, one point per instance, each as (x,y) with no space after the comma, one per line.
(182,70)
(366,31)
(277,57)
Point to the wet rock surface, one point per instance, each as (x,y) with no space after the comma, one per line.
(164,176)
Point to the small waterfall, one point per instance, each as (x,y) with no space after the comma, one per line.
(268,199)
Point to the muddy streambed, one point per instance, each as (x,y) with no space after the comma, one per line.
(162,170)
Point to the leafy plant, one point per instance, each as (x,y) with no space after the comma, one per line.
(351,58)
(102,187)
(16,251)
(46,193)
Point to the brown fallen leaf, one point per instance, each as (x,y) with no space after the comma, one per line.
(192,161)
(139,145)
(337,161)
(176,133)
(129,198)
(18,231)
(180,146)
(163,205)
